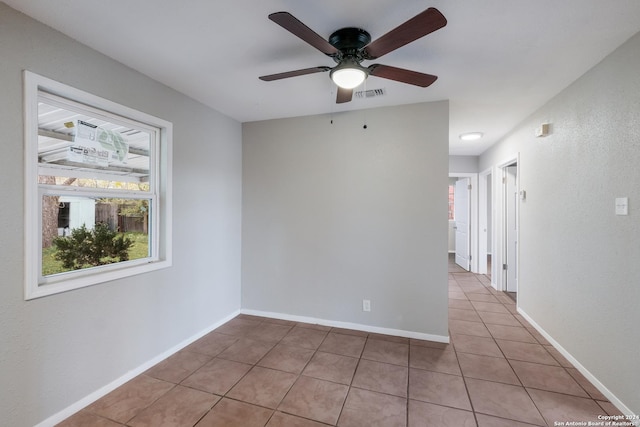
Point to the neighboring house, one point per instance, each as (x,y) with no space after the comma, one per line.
(74,212)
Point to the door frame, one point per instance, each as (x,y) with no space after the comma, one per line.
(462,190)
(499,223)
(483,220)
(512,209)
(473,217)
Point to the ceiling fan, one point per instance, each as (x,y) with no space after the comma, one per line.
(350,46)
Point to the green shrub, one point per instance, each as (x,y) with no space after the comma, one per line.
(88,248)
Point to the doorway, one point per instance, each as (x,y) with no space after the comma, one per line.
(486,206)
(510,229)
(461,218)
(463,221)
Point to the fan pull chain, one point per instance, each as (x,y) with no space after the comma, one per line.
(364,110)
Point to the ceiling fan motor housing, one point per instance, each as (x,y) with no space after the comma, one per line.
(350,41)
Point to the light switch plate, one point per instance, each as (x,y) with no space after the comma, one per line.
(622,206)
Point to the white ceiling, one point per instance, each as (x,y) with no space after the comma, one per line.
(497,60)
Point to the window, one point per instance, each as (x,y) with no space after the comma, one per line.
(97,189)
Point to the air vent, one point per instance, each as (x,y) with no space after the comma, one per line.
(371,93)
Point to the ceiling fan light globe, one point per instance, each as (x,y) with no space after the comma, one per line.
(348,78)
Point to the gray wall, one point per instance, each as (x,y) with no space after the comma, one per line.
(59,349)
(334,214)
(579,270)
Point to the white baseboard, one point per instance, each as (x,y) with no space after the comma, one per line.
(348,325)
(86,401)
(588,375)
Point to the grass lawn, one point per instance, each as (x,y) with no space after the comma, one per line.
(139,249)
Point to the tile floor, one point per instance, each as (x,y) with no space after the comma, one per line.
(254,371)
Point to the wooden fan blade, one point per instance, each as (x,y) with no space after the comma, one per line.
(419,26)
(344,95)
(272,77)
(298,29)
(401,75)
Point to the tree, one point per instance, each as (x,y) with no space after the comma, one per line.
(50,207)
(88,248)
(49,213)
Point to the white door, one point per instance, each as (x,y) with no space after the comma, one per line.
(511,232)
(461,217)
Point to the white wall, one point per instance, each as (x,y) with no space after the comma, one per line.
(56,350)
(334,214)
(463,164)
(579,269)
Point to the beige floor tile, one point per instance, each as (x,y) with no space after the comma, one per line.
(345,345)
(231,413)
(433,359)
(487,368)
(386,352)
(490,307)
(482,297)
(331,367)
(468,315)
(128,400)
(315,399)
(558,356)
(438,388)
(287,358)
(269,332)
(217,376)
(468,328)
(304,337)
(476,345)
(526,352)
(212,344)
(181,406)
(367,408)
(512,333)
(489,421)
(281,419)
(460,304)
(86,419)
(263,387)
(503,400)
(499,319)
(422,414)
(349,332)
(431,344)
(238,326)
(586,385)
(609,408)
(382,377)
(178,367)
(246,351)
(546,377)
(557,407)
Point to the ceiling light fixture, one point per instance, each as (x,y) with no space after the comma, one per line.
(348,74)
(471,136)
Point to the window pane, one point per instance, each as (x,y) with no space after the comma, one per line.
(81,232)
(80,149)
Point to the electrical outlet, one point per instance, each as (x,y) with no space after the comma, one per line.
(366,305)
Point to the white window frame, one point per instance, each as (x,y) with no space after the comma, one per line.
(36,285)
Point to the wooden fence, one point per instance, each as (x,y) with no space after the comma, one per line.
(107,213)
